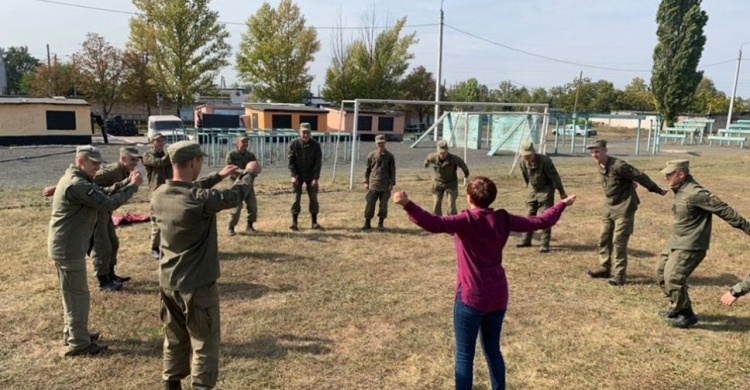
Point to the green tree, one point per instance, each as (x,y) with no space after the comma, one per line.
(18,62)
(418,85)
(186,42)
(275,52)
(139,87)
(372,66)
(59,79)
(469,91)
(101,71)
(636,96)
(707,99)
(674,76)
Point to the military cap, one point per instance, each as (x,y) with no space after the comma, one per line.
(527,148)
(184,151)
(304,126)
(674,165)
(242,138)
(89,152)
(156,136)
(442,145)
(129,152)
(379,138)
(599,143)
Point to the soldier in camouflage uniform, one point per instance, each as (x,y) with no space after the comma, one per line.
(445,181)
(380,177)
(158,171)
(240,157)
(542,180)
(618,179)
(305,161)
(106,243)
(691,232)
(189,266)
(738,290)
(75,205)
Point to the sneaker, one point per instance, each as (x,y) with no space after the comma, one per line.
(230,232)
(543,249)
(523,245)
(600,272)
(684,320)
(92,337)
(92,349)
(155,254)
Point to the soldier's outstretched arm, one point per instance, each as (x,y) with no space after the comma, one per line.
(711,203)
(630,172)
(217,200)
(150,160)
(92,196)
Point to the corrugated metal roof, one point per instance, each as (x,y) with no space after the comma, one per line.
(284,107)
(55,100)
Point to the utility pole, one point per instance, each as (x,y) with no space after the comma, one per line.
(575,121)
(734,88)
(49,73)
(439,75)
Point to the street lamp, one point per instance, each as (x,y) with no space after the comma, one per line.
(734,88)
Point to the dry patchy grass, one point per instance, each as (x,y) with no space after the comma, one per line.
(342,309)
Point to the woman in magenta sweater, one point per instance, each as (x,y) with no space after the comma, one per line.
(481,297)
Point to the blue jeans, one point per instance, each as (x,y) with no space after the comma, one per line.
(467,322)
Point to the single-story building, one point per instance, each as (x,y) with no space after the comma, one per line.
(266,116)
(218,115)
(369,123)
(44,121)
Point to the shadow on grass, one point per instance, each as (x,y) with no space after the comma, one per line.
(140,287)
(133,347)
(233,290)
(723,323)
(271,257)
(277,347)
(715,280)
(637,253)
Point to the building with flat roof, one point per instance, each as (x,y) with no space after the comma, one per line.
(44,121)
(266,116)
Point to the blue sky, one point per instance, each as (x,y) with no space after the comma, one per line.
(606,33)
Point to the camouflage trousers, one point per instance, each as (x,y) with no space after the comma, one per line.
(76,300)
(438,190)
(251,204)
(312,194)
(373,196)
(613,243)
(106,245)
(672,270)
(191,335)
(535,207)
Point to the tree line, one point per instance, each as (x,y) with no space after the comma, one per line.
(177,48)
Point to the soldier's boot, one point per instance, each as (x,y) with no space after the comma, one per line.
(294,222)
(172,385)
(92,337)
(107,284)
(668,313)
(249,227)
(684,319)
(118,279)
(617,280)
(381,227)
(544,249)
(230,231)
(315,222)
(367,225)
(525,241)
(599,272)
(92,349)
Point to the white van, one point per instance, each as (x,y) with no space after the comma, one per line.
(168,125)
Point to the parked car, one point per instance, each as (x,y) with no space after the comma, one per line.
(168,125)
(568,130)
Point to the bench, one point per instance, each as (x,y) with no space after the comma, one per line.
(675,137)
(721,138)
(682,131)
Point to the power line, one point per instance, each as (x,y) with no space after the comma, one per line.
(231,23)
(566,61)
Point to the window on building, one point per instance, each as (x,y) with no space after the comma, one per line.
(279,121)
(61,120)
(385,123)
(364,123)
(311,119)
